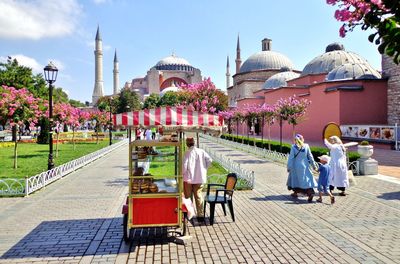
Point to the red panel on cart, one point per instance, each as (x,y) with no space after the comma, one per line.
(148,211)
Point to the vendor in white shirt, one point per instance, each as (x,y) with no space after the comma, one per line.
(195,164)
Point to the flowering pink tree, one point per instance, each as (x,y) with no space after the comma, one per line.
(228,117)
(78,117)
(100,119)
(381,15)
(203,96)
(18,107)
(252,113)
(291,110)
(267,113)
(62,115)
(239,116)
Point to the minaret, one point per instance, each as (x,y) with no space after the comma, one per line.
(238,60)
(98,90)
(228,75)
(116,73)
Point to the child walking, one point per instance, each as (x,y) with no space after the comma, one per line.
(323,186)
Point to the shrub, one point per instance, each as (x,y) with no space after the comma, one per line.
(275,146)
(364,143)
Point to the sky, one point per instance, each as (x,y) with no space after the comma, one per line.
(143,32)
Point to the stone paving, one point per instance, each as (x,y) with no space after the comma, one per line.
(78,220)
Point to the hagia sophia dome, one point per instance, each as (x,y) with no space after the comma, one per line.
(280,79)
(173,63)
(335,55)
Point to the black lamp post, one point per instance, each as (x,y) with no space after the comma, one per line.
(50,75)
(110,126)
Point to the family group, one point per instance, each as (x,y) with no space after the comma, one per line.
(332,169)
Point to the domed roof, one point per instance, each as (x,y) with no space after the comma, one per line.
(173,60)
(353,71)
(334,56)
(279,79)
(169,89)
(266,60)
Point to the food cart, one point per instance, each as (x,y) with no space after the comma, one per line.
(155,166)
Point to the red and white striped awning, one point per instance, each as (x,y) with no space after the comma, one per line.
(168,116)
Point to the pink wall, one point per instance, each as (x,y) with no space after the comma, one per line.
(368,106)
(365,107)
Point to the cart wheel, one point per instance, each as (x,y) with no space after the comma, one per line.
(185,223)
(127,231)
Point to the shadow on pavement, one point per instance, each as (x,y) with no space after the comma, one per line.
(286,198)
(390,196)
(118,182)
(78,238)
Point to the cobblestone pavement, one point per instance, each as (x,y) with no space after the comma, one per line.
(78,220)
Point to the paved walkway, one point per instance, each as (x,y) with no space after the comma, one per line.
(78,220)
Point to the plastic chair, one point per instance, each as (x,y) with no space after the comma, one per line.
(222,194)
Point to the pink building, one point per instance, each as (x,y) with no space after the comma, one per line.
(342,86)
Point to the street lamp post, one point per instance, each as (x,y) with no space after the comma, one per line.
(50,75)
(110,126)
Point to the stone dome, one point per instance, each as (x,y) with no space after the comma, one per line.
(266,60)
(353,71)
(279,79)
(168,89)
(173,63)
(334,56)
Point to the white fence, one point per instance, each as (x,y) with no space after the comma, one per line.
(274,156)
(246,175)
(18,187)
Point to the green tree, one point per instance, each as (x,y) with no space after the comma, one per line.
(76,103)
(14,75)
(59,96)
(170,99)
(152,101)
(127,100)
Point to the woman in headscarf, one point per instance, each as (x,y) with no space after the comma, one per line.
(301,179)
(338,165)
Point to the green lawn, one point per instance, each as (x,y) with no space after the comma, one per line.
(32,157)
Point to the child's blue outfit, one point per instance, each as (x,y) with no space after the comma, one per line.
(323,185)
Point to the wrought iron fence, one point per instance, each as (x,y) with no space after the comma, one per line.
(24,187)
(274,156)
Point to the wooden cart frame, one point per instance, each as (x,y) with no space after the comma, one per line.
(161,209)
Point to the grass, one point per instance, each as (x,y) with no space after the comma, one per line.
(32,157)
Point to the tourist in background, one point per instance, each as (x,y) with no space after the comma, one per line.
(300,178)
(338,165)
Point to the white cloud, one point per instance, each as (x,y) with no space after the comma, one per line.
(27,62)
(38,19)
(32,63)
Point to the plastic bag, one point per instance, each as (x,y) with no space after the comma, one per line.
(189,207)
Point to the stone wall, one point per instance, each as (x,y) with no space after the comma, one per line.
(392,72)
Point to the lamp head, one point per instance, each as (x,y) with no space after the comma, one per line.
(50,73)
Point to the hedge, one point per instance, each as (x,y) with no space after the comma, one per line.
(275,146)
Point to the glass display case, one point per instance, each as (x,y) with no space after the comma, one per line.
(155,184)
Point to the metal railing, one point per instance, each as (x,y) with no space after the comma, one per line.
(246,176)
(274,156)
(24,187)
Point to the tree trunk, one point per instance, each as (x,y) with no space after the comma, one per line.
(269,136)
(15,154)
(262,132)
(73,137)
(58,134)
